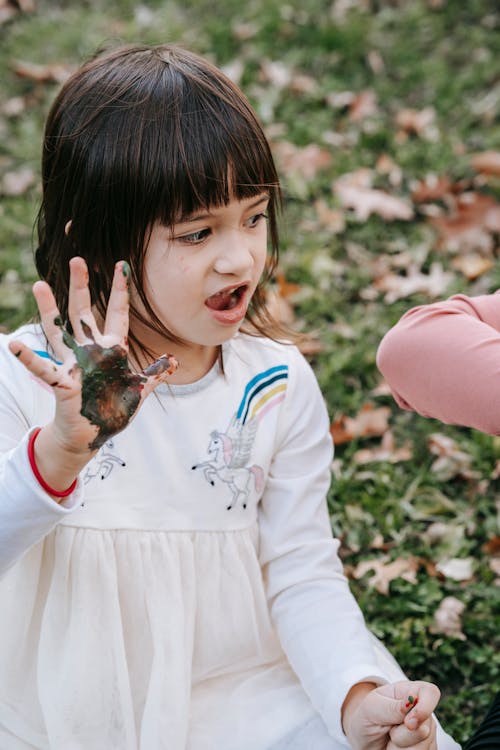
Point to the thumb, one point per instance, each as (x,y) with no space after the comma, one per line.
(384,709)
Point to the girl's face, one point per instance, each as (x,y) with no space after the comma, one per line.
(201,274)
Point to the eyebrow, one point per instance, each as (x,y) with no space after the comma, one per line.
(201,217)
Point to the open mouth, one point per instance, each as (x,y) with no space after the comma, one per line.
(227,299)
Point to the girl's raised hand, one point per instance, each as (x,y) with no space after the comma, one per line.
(96,391)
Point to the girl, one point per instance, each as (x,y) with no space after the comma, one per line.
(173,584)
(442,360)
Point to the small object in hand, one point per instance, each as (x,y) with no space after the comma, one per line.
(411,702)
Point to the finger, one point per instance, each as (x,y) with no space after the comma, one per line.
(117,314)
(429,743)
(417,700)
(404,737)
(41,367)
(158,372)
(383,707)
(426,697)
(79,302)
(50,316)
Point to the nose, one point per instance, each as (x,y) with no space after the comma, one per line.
(234,254)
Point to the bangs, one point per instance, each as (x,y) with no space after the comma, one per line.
(208,152)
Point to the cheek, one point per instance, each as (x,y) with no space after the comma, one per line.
(183,267)
(260,260)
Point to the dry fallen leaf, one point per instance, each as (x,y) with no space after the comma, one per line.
(17,183)
(472,265)
(304,162)
(448,618)
(49,73)
(494,565)
(417,122)
(492,546)
(329,218)
(286,288)
(456,568)
(364,104)
(470,226)
(487,162)
(365,201)
(385,572)
(276,73)
(386,451)
(9,8)
(369,422)
(398,286)
(387,166)
(433,188)
(14,106)
(451,460)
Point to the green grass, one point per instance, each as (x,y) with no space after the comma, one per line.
(446,58)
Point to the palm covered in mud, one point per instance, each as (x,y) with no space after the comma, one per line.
(97,393)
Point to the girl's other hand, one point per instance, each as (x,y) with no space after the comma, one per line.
(96,391)
(384,718)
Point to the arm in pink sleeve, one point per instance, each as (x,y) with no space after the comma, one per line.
(443,360)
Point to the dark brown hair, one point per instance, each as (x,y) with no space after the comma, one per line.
(140,135)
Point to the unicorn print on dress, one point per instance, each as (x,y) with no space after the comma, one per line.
(230,451)
(103,463)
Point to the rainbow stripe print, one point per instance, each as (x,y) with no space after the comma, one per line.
(262,393)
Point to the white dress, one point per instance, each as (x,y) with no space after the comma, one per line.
(188,595)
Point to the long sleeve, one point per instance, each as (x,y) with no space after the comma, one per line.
(27,512)
(443,361)
(320,626)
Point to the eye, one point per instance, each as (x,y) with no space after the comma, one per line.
(253,221)
(194,238)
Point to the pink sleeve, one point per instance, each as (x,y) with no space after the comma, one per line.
(443,360)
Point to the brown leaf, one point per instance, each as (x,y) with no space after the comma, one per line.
(363,105)
(385,572)
(329,218)
(470,225)
(375,61)
(386,451)
(285,288)
(306,161)
(492,546)
(369,422)
(472,265)
(276,73)
(397,286)
(494,565)
(49,73)
(487,162)
(10,8)
(456,568)
(433,188)
(14,106)
(448,618)
(364,201)
(303,84)
(17,183)
(451,460)
(416,122)
(387,166)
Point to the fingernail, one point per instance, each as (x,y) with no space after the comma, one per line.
(125,269)
(412,723)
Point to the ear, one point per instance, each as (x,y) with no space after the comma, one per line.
(67,227)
